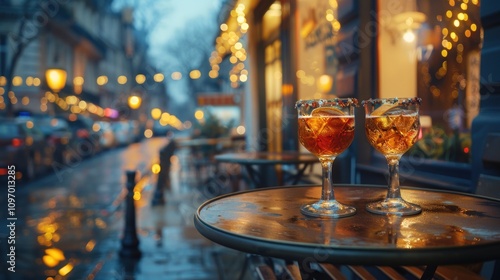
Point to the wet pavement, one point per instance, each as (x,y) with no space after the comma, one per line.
(70,223)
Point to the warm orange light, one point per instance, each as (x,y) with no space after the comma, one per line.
(156,113)
(325,83)
(134,101)
(140,79)
(195,74)
(56,79)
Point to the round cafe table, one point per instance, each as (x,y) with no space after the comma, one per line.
(453,228)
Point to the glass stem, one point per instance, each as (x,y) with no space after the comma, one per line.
(394,190)
(327,190)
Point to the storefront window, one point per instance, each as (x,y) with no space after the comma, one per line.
(317,28)
(273,75)
(431,49)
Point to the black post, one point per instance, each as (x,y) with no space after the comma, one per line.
(164,176)
(130,242)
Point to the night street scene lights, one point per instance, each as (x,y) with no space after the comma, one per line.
(56,79)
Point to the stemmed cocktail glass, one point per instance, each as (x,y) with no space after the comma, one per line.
(326,129)
(392,126)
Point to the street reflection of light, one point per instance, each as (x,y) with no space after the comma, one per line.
(49,261)
(137,195)
(55,253)
(42,241)
(65,270)
(156,168)
(48,235)
(75,201)
(3,81)
(90,245)
(75,221)
(100,223)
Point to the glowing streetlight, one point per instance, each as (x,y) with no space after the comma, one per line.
(134,101)
(56,79)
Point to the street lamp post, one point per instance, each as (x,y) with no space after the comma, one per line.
(56,80)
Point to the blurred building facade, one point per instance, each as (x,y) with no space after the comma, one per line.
(302,49)
(98,48)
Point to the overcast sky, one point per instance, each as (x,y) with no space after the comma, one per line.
(164,19)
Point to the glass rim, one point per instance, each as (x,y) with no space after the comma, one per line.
(319,102)
(405,101)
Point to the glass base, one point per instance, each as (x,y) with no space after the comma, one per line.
(396,206)
(330,209)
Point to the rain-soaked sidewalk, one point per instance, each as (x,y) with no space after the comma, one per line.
(72,228)
(171,247)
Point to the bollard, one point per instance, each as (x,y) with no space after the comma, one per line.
(164,175)
(130,242)
(158,196)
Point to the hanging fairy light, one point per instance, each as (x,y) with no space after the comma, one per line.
(230,43)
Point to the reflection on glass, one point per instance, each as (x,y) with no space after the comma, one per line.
(392,126)
(326,129)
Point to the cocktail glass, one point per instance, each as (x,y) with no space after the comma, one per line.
(392,126)
(326,129)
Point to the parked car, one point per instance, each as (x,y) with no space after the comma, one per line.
(23,145)
(106,134)
(87,141)
(58,134)
(122,133)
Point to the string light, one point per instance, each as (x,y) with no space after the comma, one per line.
(229,43)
